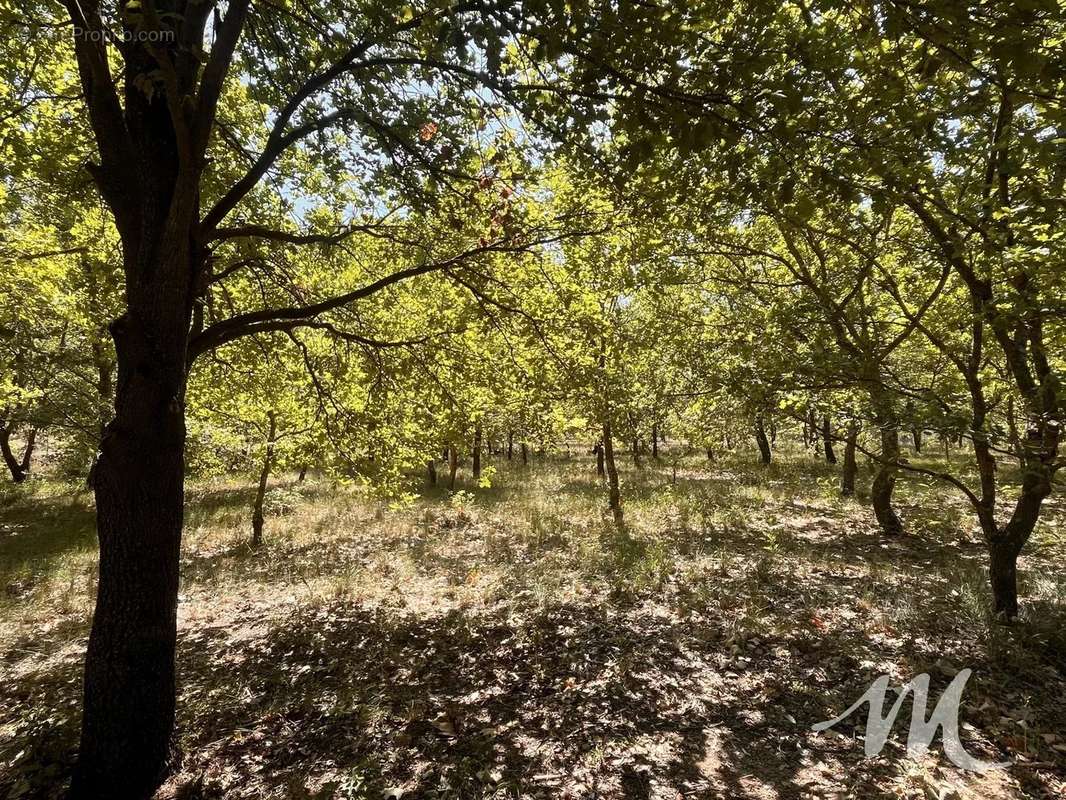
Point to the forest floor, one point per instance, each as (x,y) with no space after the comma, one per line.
(510,642)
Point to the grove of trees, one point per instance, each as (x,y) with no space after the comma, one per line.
(376,239)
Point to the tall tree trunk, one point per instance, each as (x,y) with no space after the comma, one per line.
(851,467)
(614,493)
(129,686)
(827,440)
(453,466)
(264,476)
(765,454)
(476,466)
(510,445)
(884,482)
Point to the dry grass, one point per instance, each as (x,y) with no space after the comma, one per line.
(509,642)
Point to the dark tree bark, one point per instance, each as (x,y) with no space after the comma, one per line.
(614,492)
(264,476)
(18,466)
(453,466)
(884,482)
(765,454)
(525,454)
(129,687)
(851,467)
(1003,576)
(476,456)
(827,440)
(510,445)
(655,440)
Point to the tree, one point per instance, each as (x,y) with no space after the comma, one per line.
(965,132)
(193,110)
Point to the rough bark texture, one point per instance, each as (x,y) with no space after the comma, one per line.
(129,689)
(765,454)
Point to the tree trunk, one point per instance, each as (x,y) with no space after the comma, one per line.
(827,440)
(510,445)
(18,467)
(129,686)
(885,482)
(851,467)
(1006,544)
(1012,433)
(655,440)
(264,476)
(1003,575)
(614,493)
(765,454)
(453,466)
(525,454)
(476,466)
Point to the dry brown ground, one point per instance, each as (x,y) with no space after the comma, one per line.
(510,643)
